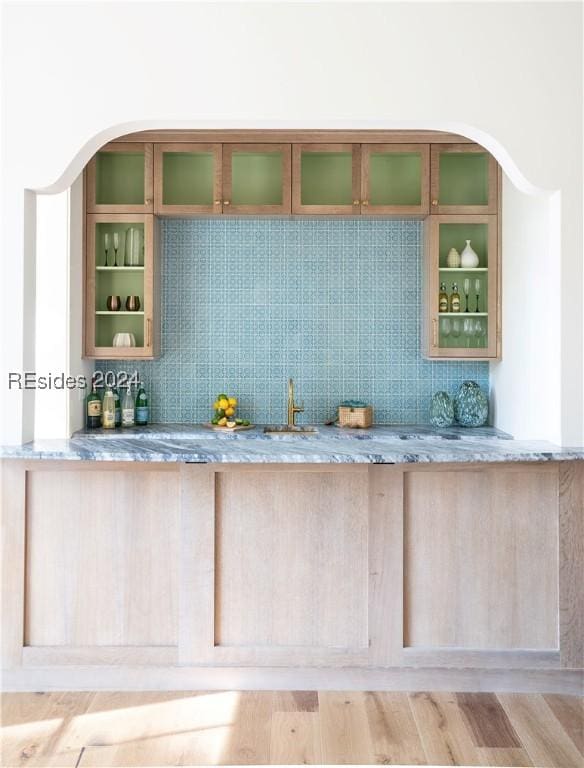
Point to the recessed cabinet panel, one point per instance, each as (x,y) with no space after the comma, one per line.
(462,312)
(187,179)
(395,178)
(256,178)
(119,179)
(120,290)
(464,179)
(326,178)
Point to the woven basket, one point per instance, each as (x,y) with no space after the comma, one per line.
(355,417)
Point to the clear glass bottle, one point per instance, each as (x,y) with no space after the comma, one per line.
(128,409)
(93,408)
(108,419)
(141,406)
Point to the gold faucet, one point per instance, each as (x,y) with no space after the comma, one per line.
(293,409)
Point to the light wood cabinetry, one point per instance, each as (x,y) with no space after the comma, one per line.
(256,178)
(120,179)
(395,179)
(464,334)
(326,178)
(122,280)
(463,179)
(187,179)
(296,567)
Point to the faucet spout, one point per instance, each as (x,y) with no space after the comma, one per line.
(293,409)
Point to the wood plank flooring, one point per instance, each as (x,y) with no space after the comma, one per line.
(79,730)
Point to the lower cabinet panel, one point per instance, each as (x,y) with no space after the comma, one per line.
(101,558)
(291,559)
(481,559)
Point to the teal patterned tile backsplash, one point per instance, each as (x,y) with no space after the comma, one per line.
(335,304)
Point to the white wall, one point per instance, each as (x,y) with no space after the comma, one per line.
(506,74)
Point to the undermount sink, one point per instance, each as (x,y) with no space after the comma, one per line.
(286,430)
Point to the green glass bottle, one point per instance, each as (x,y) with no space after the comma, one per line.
(118,408)
(141,407)
(93,408)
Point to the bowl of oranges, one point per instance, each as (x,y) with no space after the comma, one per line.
(225,415)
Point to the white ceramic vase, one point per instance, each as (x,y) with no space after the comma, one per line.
(453,259)
(468,257)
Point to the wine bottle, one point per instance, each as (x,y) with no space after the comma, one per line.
(109,410)
(455,298)
(443,299)
(128,409)
(117,408)
(93,408)
(141,406)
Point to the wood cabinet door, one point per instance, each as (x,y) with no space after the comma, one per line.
(462,335)
(256,178)
(326,179)
(187,179)
(395,179)
(290,566)
(120,179)
(463,179)
(122,280)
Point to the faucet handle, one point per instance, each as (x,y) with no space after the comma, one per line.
(299,407)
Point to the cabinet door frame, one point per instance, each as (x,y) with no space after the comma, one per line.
(148,205)
(163,209)
(343,210)
(150,350)
(435,207)
(228,207)
(367,208)
(432,285)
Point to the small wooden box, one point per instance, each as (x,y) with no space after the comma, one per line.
(355,417)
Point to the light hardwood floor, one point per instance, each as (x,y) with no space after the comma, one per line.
(79,730)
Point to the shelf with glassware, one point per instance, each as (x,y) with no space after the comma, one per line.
(120,179)
(122,286)
(461,287)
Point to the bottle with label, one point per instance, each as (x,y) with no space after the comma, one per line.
(443,299)
(455,298)
(117,408)
(108,419)
(128,409)
(141,406)
(93,408)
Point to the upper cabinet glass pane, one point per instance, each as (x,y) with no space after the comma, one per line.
(464,178)
(256,178)
(119,178)
(326,178)
(395,178)
(188,178)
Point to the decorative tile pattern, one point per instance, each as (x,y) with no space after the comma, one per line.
(335,304)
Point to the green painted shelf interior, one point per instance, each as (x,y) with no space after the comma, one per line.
(119,178)
(326,178)
(188,178)
(395,178)
(122,283)
(464,340)
(106,326)
(456,235)
(121,228)
(464,178)
(256,178)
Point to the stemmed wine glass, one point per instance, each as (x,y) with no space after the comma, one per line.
(116,246)
(477,287)
(468,328)
(456,328)
(466,292)
(445,326)
(106,245)
(480,330)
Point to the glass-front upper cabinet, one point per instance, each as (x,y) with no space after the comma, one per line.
(121,319)
(120,179)
(326,178)
(395,178)
(461,287)
(187,179)
(463,179)
(256,178)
